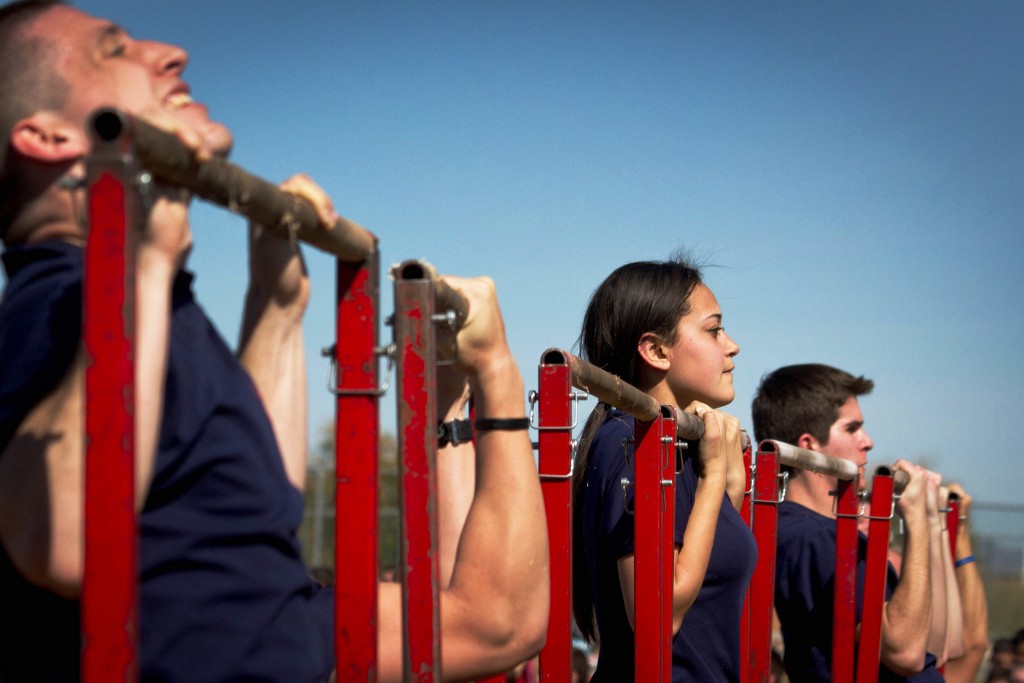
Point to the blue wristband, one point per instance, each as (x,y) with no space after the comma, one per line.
(963,560)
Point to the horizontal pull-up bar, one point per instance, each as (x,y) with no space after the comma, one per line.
(627,398)
(813,461)
(218,181)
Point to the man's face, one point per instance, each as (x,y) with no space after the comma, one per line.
(104,66)
(847,438)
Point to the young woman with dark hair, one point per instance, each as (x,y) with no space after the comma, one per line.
(657,326)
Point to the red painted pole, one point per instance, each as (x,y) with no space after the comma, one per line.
(953,522)
(844,617)
(109,617)
(875,569)
(746,514)
(762,583)
(555,463)
(653,504)
(417,419)
(356,470)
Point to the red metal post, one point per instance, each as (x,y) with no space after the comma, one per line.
(356,470)
(953,522)
(762,583)
(746,513)
(109,617)
(417,419)
(654,510)
(844,617)
(555,464)
(875,567)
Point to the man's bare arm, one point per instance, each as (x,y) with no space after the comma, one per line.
(494,611)
(271,343)
(972,598)
(42,469)
(906,615)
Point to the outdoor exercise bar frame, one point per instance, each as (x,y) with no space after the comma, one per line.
(127,155)
(657,430)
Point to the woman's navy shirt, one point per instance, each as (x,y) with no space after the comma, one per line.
(224,595)
(707,646)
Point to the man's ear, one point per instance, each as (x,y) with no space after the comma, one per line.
(808,442)
(48,138)
(652,350)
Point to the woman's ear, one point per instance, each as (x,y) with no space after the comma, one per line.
(46,137)
(652,350)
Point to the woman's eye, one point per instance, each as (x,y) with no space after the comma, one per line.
(717,330)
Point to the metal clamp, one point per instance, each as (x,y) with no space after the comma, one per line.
(753,478)
(334,389)
(781,495)
(572,465)
(574,396)
(626,484)
(681,445)
(860,512)
(881,518)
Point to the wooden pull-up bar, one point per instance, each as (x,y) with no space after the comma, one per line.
(223,183)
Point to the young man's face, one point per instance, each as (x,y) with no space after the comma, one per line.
(847,438)
(104,66)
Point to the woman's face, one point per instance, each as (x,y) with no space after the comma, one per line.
(702,355)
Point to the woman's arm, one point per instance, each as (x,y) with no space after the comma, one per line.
(690,563)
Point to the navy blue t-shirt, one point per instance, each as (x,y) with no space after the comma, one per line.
(707,647)
(224,595)
(805,568)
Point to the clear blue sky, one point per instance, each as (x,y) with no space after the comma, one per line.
(854,169)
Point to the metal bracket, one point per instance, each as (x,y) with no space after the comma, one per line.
(892,511)
(574,396)
(334,389)
(626,484)
(572,465)
(781,496)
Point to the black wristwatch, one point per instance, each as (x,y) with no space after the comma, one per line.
(454,432)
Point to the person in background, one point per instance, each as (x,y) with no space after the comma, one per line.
(815,407)
(964,669)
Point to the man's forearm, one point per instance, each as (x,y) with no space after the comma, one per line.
(975,611)
(271,350)
(938,625)
(907,613)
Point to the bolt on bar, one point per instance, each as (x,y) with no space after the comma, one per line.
(223,183)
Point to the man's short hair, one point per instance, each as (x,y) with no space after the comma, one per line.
(803,399)
(28,84)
